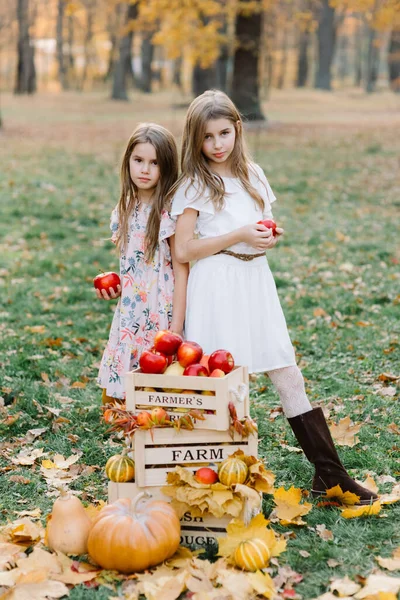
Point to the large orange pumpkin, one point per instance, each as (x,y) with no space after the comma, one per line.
(132,535)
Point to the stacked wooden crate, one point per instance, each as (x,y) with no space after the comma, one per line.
(160,450)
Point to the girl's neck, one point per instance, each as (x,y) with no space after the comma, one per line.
(145,196)
(221,169)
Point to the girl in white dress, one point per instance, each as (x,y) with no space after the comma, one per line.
(153,290)
(232,302)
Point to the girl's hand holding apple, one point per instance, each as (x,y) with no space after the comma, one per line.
(257,236)
(109,294)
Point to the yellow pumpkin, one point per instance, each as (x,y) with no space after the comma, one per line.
(130,536)
(232,471)
(120,468)
(252,555)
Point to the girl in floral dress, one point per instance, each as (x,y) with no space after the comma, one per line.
(153,284)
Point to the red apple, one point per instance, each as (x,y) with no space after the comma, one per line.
(196,370)
(217,373)
(152,361)
(105,281)
(159,416)
(189,353)
(204,360)
(144,419)
(221,359)
(167,342)
(206,475)
(269,224)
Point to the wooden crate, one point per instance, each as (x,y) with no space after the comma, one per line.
(159,451)
(197,531)
(234,386)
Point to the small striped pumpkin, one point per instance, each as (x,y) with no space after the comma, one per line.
(232,471)
(120,468)
(252,555)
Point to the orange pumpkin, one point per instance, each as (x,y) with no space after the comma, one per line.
(130,536)
(120,468)
(232,471)
(252,555)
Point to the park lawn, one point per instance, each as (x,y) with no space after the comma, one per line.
(337,274)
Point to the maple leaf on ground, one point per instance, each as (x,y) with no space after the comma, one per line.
(345,432)
(392,563)
(324,533)
(347,498)
(23,531)
(378,584)
(37,591)
(9,553)
(288,508)
(392,497)
(237,532)
(362,511)
(370,484)
(344,587)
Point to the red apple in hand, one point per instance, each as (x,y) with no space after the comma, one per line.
(221,359)
(105,281)
(196,370)
(269,224)
(167,342)
(152,361)
(206,475)
(189,353)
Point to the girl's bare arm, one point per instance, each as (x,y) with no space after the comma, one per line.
(181,274)
(189,248)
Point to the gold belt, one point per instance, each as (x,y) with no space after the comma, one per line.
(245,257)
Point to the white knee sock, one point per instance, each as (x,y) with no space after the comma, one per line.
(289,384)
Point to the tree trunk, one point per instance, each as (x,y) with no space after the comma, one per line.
(245,80)
(302,58)
(343,57)
(25,81)
(203,79)
(123,66)
(394,61)
(147,58)
(371,75)
(283,65)
(326,46)
(62,69)
(177,72)
(70,55)
(358,56)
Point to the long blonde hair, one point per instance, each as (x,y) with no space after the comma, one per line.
(211,105)
(167,159)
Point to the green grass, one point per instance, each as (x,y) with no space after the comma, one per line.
(337,203)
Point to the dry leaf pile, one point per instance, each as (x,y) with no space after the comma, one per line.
(218,499)
(376,586)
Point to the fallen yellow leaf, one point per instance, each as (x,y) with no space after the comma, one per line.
(392,563)
(362,511)
(288,507)
(347,498)
(345,432)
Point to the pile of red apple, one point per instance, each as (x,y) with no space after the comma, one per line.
(189,358)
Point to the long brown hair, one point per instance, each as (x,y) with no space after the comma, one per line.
(211,105)
(167,159)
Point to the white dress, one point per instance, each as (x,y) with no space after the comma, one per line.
(233,304)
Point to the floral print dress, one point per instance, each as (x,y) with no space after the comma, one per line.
(145,305)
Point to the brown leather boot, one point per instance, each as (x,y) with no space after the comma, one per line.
(312,433)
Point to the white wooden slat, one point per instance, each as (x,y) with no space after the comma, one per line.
(175,400)
(174,455)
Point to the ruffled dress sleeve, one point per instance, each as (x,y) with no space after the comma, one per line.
(188,196)
(114,224)
(167,225)
(263,187)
